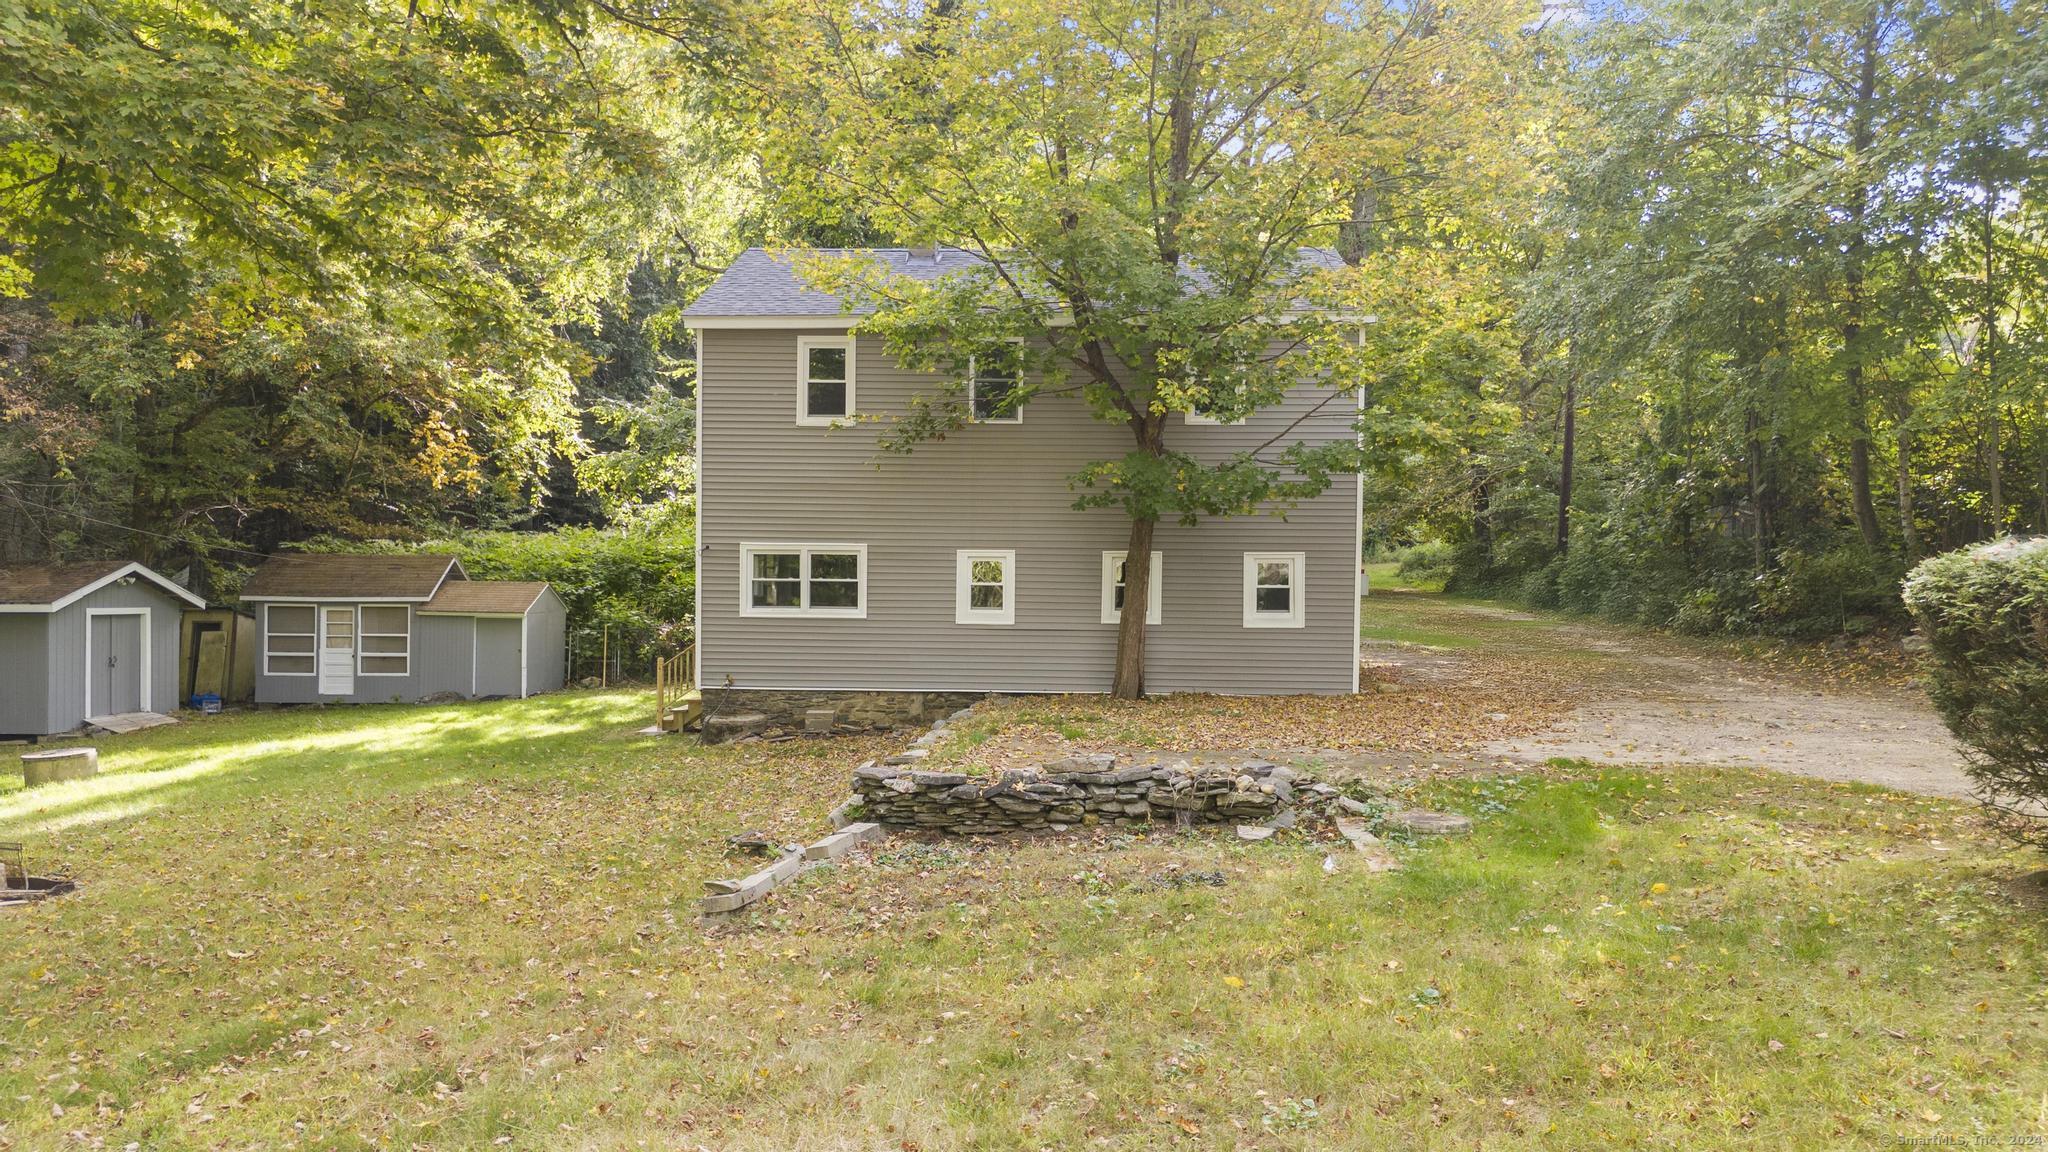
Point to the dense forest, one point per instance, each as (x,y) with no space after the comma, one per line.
(1693,314)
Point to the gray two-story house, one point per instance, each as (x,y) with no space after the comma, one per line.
(824,565)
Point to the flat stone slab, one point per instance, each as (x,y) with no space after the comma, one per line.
(843,841)
(1423,822)
(59,764)
(732,895)
(1254,832)
(130,721)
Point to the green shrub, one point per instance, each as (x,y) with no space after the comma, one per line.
(1818,594)
(630,593)
(1426,561)
(1984,612)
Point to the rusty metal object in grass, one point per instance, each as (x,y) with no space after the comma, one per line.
(18,887)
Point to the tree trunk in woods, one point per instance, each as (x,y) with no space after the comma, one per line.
(1760,528)
(1564,472)
(1909,537)
(1130,626)
(1860,132)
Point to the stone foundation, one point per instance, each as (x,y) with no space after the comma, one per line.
(1083,790)
(739,713)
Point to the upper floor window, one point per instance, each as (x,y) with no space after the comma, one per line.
(1113,588)
(985,590)
(804,580)
(993,379)
(1272,589)
(825,379)
(1231,389)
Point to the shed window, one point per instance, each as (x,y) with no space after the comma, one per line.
(804,579)
(1113,588)
(386,640)
(288,640)
(825,379)
(1272,589)
(993,379)
(985,590)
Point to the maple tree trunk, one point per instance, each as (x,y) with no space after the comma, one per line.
(1130,626)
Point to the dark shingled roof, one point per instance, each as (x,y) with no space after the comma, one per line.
(51,584)
(348,577)
(763,283)
(486,597)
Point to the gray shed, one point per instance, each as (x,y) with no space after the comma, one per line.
(367,629)
(85,640)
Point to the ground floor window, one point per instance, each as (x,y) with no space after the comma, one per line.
(985,587)
(804,579)
(1272,589)
(386,633)
(288,640)
(1113,588)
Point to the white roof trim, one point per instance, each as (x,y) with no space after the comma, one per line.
(130,569)
(834,320)
(338,599)
(479,615)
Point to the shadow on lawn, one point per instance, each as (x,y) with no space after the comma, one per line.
(372,746)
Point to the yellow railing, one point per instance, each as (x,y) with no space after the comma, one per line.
(673,676)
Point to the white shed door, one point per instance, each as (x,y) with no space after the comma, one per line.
(337,651)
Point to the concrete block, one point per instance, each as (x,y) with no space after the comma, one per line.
(754,887)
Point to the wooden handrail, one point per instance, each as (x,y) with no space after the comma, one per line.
(673,677)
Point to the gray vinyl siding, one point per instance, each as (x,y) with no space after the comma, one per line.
(65,688)
(24,674)
(497,655)
(764,479)
(368,689)
(547,637)
(447,654)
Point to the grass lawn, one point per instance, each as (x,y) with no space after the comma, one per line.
(473,926)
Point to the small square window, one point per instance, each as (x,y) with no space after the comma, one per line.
(1113,588)
(993,379)
(1198,416)
(1273,596)
(986,588)
(824,379)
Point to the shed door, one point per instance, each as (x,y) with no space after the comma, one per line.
(498,656)
(337,651)
(115,674)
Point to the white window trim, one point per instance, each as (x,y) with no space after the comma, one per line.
(963,570)
(1111,614)
(1016,415)
(804,344)
(1297,598)
(314,636)
(805,551)
(363,634)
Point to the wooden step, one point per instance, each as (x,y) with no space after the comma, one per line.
(685,712)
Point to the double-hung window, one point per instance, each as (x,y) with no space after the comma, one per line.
(804,580)
(386,639)
(993,380)
(288,640)
(1231,389)
(1113,588)
(824,393)
(1273,589)
(985,587)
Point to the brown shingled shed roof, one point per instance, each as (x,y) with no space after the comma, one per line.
(55,584)
(351,577)
(485,597)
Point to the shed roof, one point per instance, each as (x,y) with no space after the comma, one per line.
(50,587)
(485,597)
(327,576)
(764,283)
